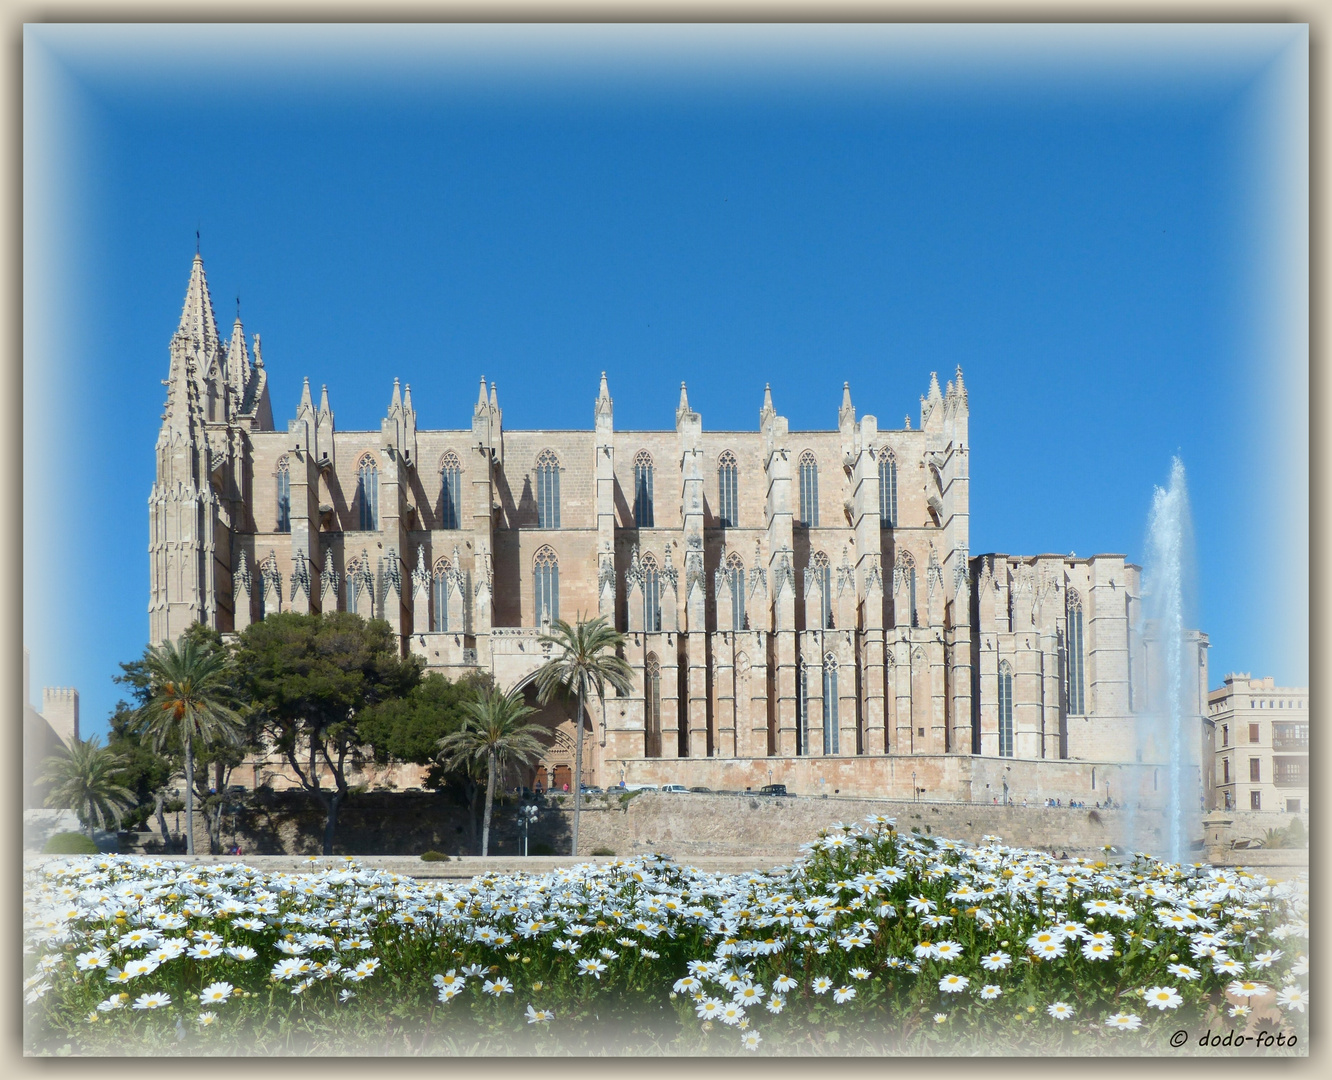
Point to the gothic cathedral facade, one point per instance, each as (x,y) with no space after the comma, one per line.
(800,607)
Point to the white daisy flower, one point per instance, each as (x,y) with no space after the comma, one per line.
(1123,1022)
(1162,997)
(1061,1010)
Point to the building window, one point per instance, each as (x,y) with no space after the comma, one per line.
(1290,771)
(651,595)
(546,586)
(822,572)
(1225,770)
(1292,806)
(548,490)
(802,701)
(904,577)
(735,575)
(643,490)
(367,494)
(1005,709)
(728,495)
(360,596)
(1229,802)
(652,702)
(1076,705)
(1225,734)
(1290,736)
(1255,800)
(283,496)
(888,488)
(1255,770)
(450,492)
(439,621)
(1253,734)
(830,732)
(1093,778)
(809,490)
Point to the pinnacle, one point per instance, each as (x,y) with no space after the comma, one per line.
(196,317)
(481,398)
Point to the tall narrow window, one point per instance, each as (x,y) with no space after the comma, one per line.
(735,577)
(728,494)
(367,493)
(439,621)
(652,703)
(651,595)
(548,490)
(809,490)
(1076,705)
(1005,710)
(888,488)
(643,490)
(830,733)
(822,571)
(802,707)
(360,597)
(283,496)
(450,492)
(546,590)
(904,585)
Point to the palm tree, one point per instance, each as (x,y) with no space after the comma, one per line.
(493,733)
(85,777)
(190,698)
(584,657)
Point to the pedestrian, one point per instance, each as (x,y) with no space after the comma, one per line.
(566,787)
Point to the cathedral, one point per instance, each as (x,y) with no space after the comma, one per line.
(800,607)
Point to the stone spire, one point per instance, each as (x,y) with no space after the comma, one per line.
(604,406)
(682,410)
(238,363)
(196,318)
(482,405)
(767,410)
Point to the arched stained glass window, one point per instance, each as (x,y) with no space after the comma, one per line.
(643,490)
(450,491)
(651,594)
(283,495)
(439,620)
(888,488)
(809,489)
(548,490)
(1076,679)
(830,733)
(367,494)
(728,492)
(652,703)
(1005,709)
(546,582)
(735,576)
(821,569)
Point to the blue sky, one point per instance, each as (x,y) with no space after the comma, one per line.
(1104,232)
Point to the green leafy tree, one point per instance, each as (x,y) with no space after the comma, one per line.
(191,698)
(409,729)
(86,777)
(584,658)
(146,772)
(309,678)
(493,733)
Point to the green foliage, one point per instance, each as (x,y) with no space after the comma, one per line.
(1274,838)
(409,728)
(434,856)
(70,843)
(542,848)
(310,678)
(144,771)
(602,851)
(626,797)
(86,777)
(1296,837)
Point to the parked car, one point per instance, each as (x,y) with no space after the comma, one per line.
(773,789)
(702,790)
(675,788)
(640,787)
(591,790)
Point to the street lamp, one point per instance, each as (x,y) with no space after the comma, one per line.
(526,815)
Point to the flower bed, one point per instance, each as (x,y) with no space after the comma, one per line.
(873,942)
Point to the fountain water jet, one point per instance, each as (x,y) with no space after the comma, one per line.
(1170,727)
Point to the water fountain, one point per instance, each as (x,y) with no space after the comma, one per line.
(1169,728)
